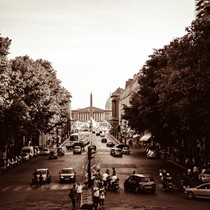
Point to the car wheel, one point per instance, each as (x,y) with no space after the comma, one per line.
(190,195)
(125,188)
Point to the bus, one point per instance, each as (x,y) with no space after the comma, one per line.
(74,137)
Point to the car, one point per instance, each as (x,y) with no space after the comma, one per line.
(126,150)
(44,172)
(110,144)
(116,152)
(67,175)
(36,150)
(201,191)
(24,156)
(53,154)
(104,140)
(140,183)
(60,151)
(77,150)
(93,148)
(204,176)
(45,151)
(121,145)
(152,153)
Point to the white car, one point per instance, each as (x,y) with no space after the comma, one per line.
(25,156)
(201,191)
(45,151)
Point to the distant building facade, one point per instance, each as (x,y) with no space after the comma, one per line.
(97,114)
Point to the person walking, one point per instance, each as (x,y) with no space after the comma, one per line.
(105,179)
(102,193)
(73,196)
(79,189)
(96,196)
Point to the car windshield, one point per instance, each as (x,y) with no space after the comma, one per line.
(65,171)
(145,179)
(41,172)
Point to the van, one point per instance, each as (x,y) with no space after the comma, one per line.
(29,150)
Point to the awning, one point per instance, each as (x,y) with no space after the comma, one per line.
(146,137)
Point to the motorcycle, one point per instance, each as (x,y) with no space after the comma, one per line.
(167,184)
(114,186)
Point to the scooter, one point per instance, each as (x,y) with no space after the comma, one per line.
(114,186)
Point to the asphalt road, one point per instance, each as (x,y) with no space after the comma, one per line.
(16,193)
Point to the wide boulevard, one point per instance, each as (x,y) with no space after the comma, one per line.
(17,194)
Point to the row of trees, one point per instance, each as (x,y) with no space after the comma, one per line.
(32,99)
(173,99)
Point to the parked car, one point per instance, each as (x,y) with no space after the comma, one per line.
(36,150)
(116,152)
(152,153)
(67,175)
(44,172)
(45,151)
(140,183)
(201,191)
(204,176)
(126,150)
(77,150)
(110,144)
(104,140)
(24,156)
(53,154)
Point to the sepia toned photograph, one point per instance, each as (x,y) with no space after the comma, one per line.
(104,104)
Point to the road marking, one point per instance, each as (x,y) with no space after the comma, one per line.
(5,189)
(29,188)
(54,187)
(65,187)
(17,188)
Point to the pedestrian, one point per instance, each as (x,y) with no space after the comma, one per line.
(73,196)
(105,179)
(79,188)
(102,193)
(95,196)
(113,171)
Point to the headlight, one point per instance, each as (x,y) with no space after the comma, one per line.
(62,177)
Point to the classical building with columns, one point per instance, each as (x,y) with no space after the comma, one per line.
(95,113)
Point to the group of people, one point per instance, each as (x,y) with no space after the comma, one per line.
(102,183)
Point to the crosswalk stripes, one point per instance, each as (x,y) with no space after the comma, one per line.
(29,188)
(17,188)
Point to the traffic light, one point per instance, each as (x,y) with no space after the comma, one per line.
(90,153)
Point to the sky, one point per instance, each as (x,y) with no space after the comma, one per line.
(94,45)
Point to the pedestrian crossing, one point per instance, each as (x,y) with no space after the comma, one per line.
(52,186)
(29,188)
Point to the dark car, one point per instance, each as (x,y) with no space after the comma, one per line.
(41,172)
(77,150)
(53,154)
(116,152)
(110,144)
(67,175)
(93,148)
(104,140)
(140,183)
